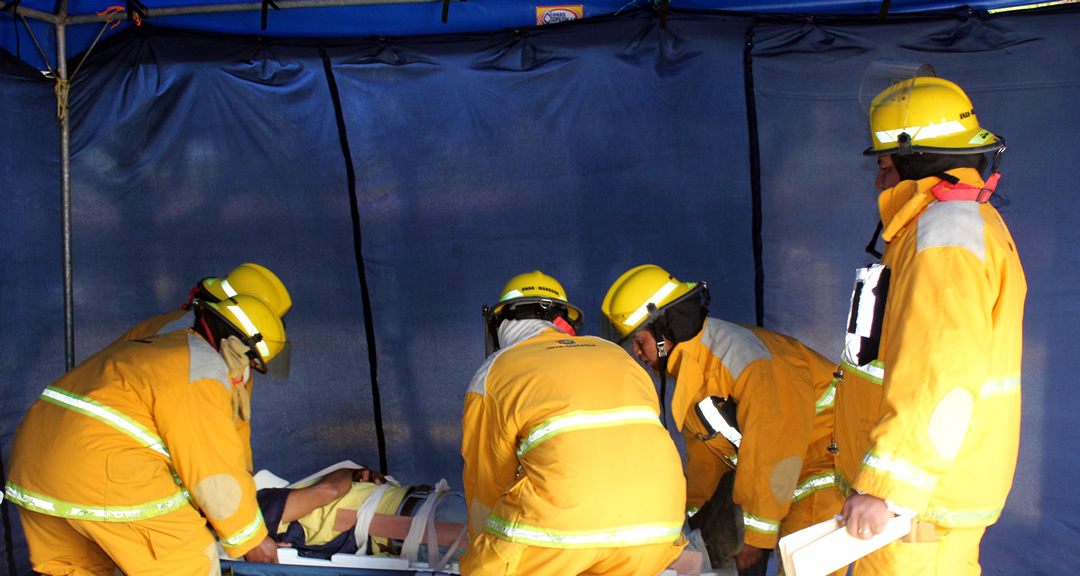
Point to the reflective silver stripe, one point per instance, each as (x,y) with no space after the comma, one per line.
(961,518)
(828,398)
(1001,386)
(227,288)
(874,371)
(52,507)
(879,463)
(606,538)
(244,534)
(106,415)
(717,423)
(250,328)
(760,524)
(921,132)
(813,484)
(587,419)
(640,313)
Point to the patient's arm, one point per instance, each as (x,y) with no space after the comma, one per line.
(302,501)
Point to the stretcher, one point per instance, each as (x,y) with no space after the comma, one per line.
(412,531)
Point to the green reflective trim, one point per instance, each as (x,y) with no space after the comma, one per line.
(874,371)
(53,507)
(245,533)
(762,525)
(582,419)
(842,483)
(1001,386)
(104,414)
(691,511)
(827,400)
(961,518)
(653,533)
(813,484)
(899,469)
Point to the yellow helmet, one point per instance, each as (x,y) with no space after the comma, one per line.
(927,114)
(260,328)
(638,297)
(531,295)
(254,280)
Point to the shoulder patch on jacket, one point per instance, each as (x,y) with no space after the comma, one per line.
(206,363)
(735,346)
(182,323)
(956,224)
(479,380)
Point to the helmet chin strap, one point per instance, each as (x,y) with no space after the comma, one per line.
(662,356)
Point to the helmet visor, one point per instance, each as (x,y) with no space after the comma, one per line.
(882,73)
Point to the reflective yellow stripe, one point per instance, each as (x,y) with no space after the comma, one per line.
(229,291)
(244,534)
(581,419)
(53,507)
(899,469)
(106,415)
(250,328)
(762,525)
(842,483)
(605,538)
(640,313)
(961,518)
(1001,386)
(874,371)
(813,484)
(828,398)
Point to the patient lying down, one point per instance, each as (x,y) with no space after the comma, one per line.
(330,514)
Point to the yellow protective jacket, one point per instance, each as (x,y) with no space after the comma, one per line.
(933,423)
(784,396)
(139,430)
(563,446)
(182,320)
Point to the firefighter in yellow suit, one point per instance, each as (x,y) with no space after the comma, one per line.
(251,279)
(121,462)
(777,392)
(928,410)
(567,467)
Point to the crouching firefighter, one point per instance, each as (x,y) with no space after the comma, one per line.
(567,467)
(123,461)
(755,407)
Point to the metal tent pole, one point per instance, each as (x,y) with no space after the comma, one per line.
(65,184)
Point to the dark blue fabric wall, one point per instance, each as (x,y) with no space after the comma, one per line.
(580,150)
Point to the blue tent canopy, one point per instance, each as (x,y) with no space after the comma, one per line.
(395,171)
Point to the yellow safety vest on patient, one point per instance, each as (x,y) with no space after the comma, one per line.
(783,392)
(929,417)
(563,444)
(139,430)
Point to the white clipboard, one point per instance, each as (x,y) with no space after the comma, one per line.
(826,547)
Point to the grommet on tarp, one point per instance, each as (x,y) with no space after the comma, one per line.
(266,5)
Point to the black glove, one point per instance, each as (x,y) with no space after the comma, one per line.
(721,523)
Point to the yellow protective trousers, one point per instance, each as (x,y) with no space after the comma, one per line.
(489,555)
(174,544)
(955,553)
(811,509)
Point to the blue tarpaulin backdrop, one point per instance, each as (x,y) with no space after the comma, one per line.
(580,149)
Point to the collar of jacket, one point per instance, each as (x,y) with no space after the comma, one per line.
(684,365)
(903,203)
(512,332)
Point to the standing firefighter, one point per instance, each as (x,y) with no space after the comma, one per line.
(747,399)
(567,467)
(928,411)
(121,462)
